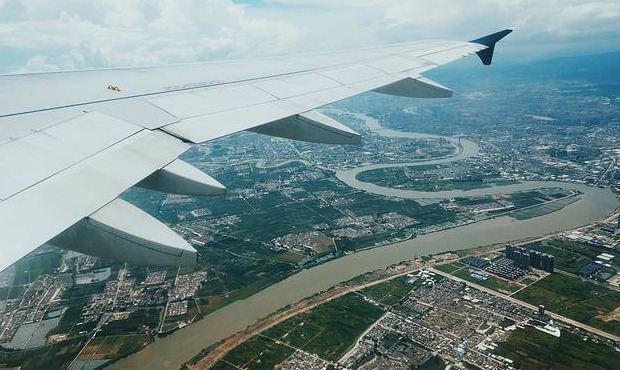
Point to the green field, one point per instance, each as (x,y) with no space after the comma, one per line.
(224,366)
(433,363)
(113,346)
(450,267)
(30,267)
(139,321)
(527,280)
(526,198)
(571,297)
(12,292)
(330,329)
(532,349)
(492,282)
(390,292)
(542,209)
(56,356)
(257,353)
(397,177)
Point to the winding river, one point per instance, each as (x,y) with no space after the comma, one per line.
(172,351)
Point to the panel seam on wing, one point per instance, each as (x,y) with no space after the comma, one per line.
(75,164)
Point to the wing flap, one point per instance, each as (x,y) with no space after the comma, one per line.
(14,127)
(396,64)
(212,126)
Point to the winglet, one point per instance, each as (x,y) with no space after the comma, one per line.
(489,41)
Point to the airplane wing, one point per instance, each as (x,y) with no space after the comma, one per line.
(72,142)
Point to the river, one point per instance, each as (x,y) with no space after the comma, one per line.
(174,350)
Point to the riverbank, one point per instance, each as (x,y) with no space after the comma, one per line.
(174,350)
(177,348)
(300,307)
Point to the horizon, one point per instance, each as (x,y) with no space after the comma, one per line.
(72,35)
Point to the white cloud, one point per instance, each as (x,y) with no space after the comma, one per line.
(132,32)
(68,34)
(598,17)
(553,19)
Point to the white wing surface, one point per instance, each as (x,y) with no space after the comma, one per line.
(72,142)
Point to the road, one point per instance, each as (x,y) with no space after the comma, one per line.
(609,168)
(555,316)
(221,350)
(104,318)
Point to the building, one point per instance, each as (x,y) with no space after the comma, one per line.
(536,260)
(526,259)
(590,269)
(605,257)
(479,275)
(541,310)
(522,258)
(547,263)
(608,229)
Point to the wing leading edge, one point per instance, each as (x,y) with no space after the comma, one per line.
(71,143)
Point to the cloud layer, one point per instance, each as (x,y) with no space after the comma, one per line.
(74,34)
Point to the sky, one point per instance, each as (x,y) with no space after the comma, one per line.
(39,35)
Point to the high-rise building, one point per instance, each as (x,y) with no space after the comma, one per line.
(509,251)
(525,258)
(522,258)
(547,263)
(535,259)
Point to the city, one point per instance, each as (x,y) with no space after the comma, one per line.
(290,208)
(437,312)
